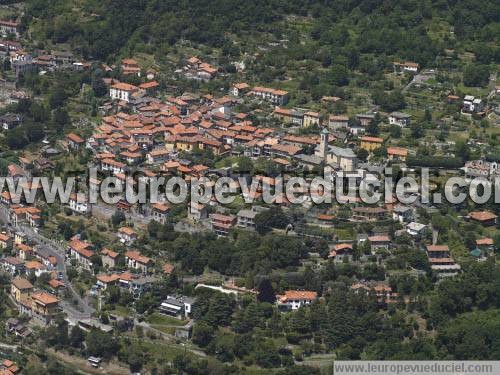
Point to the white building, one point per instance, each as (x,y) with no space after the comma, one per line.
(81,251)
(399,119)
(472,104)
(295,299)
(79,203)
(136,260)
(113,166)
(409,66)
(276,97)
(122,91)
(415,229)
(177,306)
(9,27)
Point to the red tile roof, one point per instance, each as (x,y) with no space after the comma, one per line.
(301,295)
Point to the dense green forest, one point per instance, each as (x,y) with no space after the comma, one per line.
(101,29)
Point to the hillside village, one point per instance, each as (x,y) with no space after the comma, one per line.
(165,286)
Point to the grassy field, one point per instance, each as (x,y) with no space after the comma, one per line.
(164,320)
(121,311)
(164,329)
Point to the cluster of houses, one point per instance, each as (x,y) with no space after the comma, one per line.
(40,305)
(481,168)
(142,132)
(273,96)
(135,284)
(23,62)
(295,299)
(20,213)
(27,259)
(336,122)
(139,279)
(197,69)
(8,367)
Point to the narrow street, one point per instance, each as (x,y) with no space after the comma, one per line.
(83,310)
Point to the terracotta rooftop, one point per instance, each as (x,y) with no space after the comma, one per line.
(44,298)
(482,216)
(297,295)
(21,283)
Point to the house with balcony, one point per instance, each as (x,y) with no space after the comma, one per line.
(222,224)
(311,118)
(81,252)
(276,97)
(369,213)
(371,143)
(127,235)
(239,89)
(379,242)
(246,218)
(113,166)
(397,154)
(122,91)
(289,116)
(40,306)
(160,212)
(134,259)
(35,267)
(441,261)
(130,67)
(75,142)
(340,251)
(8,27)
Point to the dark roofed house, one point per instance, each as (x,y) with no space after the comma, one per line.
(369,213)
(12,265)
(14,326)
(399,119)
(10,121)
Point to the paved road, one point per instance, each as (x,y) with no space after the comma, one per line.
(83,310)
(418,79)
(8,346)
